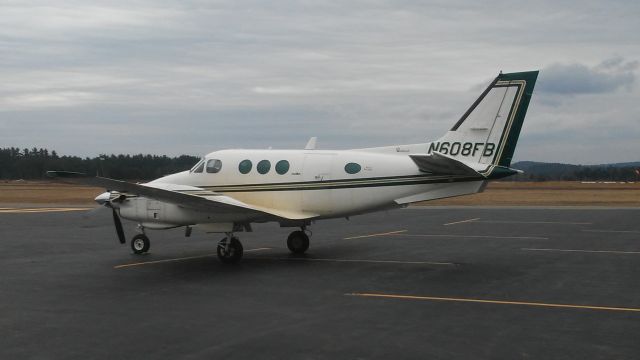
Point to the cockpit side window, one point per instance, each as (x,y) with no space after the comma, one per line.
(213,166)
(198,167)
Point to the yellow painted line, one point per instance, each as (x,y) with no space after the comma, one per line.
(359,261)
(47,208)
(474,236)
(177,259)
(460,222)
(374,235)
(534,222)
(614,231)
(585,251)
(499,302)
(40,210)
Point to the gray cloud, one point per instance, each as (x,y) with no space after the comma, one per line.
(572,79)
(163,76)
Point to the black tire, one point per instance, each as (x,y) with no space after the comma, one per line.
(298,242)
(140,244)
(235,251)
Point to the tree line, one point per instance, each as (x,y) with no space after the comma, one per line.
(32,164)
(537,171)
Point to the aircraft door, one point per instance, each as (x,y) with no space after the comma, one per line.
(316,170)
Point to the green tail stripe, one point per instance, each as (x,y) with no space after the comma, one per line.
(512,137)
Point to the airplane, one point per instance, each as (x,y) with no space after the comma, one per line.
(228,190)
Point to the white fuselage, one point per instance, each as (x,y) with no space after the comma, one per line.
(315,182)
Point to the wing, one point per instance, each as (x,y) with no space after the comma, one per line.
(185,196)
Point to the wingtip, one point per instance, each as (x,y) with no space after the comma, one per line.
(65,174)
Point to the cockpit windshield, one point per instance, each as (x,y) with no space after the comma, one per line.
(198,167)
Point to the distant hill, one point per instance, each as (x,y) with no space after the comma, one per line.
(540,171)
(635,164)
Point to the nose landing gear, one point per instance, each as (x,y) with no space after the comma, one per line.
(140,244)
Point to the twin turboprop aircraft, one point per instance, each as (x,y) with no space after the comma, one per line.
(229,190)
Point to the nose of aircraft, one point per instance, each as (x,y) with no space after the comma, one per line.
(103,198)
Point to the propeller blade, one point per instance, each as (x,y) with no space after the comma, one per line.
(118,224)
(94,212)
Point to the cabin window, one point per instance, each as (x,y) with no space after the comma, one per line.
(352,168)
(245,166)
(214,166)
(263,167)
(282,167)
(198,167)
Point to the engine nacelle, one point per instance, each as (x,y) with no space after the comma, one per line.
(149,211)
(146,210)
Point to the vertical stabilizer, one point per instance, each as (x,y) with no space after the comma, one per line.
(488,131)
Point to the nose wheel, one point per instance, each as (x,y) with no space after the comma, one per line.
(230,250)
(298,242)
(140,244)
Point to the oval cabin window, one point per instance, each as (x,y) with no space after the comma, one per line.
(352,168)
(245,166)
(282,167)
(263,167)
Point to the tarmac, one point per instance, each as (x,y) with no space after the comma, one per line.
(417,283)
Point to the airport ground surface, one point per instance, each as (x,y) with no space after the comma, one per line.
(502,193)
(423,283)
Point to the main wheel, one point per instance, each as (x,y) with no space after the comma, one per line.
(233,253)
(298,242)
(140,244)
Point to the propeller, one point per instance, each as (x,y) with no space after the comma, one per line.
(105,200)
(118,224)
(93,213)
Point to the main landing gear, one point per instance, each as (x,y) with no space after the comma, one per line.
(230,249)
(298,242)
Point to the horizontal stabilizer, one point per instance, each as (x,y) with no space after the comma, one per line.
(499,172)
(438,164)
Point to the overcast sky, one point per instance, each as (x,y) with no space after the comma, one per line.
(190,77)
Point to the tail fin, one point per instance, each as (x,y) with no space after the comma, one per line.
(487,133)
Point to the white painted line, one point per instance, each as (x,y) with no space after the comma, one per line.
(460,222)
(177,259)
(474,236)
(359,261)
(585,251)
(374,235)
(533,222)
(614,231)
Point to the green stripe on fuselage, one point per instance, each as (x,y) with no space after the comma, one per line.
(342,183)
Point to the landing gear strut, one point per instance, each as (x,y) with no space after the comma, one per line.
(298,242)
(140,244)
(230,249)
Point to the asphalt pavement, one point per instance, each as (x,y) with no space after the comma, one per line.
(417,283)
